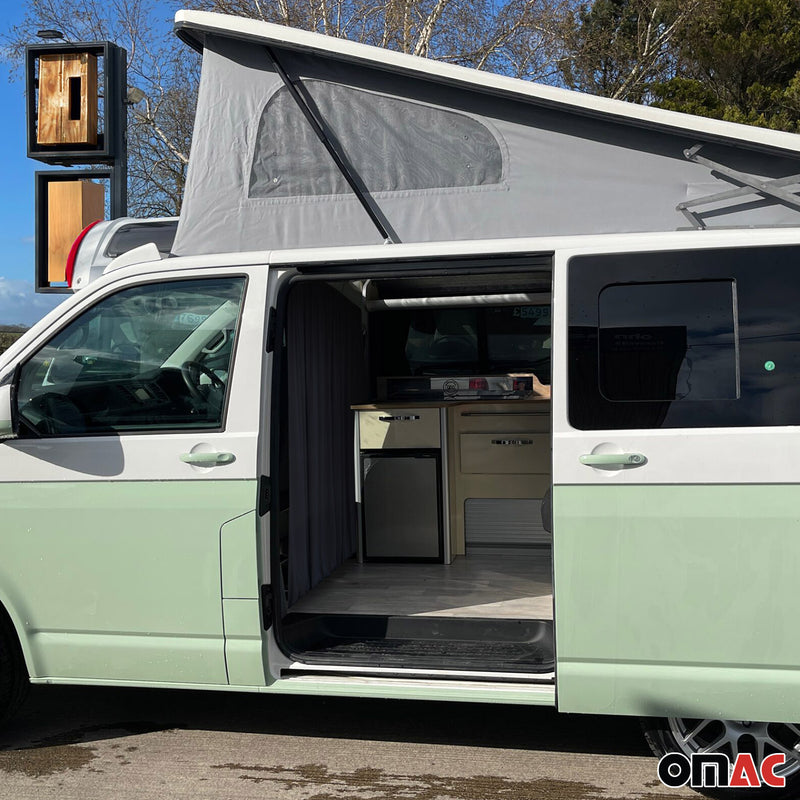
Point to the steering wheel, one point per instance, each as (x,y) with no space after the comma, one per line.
(130,352)
(191,372)
(453,347)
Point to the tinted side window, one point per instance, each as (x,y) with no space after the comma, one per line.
(150,357)
(693,339)
(668,341)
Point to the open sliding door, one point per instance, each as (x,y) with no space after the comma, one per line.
(676,497)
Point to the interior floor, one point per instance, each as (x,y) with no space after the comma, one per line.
(514,585)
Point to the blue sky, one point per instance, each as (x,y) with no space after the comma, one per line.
(18,302)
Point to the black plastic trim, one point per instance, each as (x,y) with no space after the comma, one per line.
(415,267)
(272,326)
(264,495)
(267,606)
(443,643)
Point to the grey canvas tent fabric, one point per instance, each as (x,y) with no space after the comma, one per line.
(440,161)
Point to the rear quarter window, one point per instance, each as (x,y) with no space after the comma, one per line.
(705,338)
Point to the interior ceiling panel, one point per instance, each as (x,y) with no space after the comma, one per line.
(391,288)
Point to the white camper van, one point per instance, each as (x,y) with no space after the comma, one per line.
(337,469)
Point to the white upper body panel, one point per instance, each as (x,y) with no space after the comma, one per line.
(135,451)
(151,455)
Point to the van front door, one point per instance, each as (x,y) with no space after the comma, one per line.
(677,483)
(138,426)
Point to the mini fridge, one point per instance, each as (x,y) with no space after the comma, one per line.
(401,505)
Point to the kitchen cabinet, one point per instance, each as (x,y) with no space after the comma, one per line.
(488,467)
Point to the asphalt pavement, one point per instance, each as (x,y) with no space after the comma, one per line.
(114,744)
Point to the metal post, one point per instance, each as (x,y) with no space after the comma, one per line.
(117,129)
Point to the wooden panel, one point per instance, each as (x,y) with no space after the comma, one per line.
(502,486)
(504,418)
(67,99)
(399,428)
(502,453)
(71,206)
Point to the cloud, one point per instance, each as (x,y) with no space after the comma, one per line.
(28,240)
(20,305)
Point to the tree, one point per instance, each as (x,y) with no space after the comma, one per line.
(514,37)
(740,62)
(618,48)
(159,126)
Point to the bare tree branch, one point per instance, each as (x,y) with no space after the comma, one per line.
(517,37)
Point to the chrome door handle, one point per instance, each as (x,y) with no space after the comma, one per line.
(613,460)
(208,459)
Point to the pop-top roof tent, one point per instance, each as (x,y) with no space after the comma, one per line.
(303,140)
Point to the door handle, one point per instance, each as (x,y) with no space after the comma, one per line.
(208,459)
(613,460)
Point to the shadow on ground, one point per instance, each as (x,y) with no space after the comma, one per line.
(55,716)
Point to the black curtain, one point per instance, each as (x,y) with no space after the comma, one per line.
(326,374)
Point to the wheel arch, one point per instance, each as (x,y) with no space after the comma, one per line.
(10,616)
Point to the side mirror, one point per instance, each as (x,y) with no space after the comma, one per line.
(8,426)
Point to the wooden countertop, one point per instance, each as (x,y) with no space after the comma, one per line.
(495,401)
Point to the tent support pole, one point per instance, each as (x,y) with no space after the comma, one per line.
(306,105)
(749,185)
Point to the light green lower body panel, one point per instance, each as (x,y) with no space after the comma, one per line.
(678,600)
(243,643)
(515,694)
(676,690)
(244,628)
(119,580)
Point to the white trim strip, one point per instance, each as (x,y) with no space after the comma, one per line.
(545,678)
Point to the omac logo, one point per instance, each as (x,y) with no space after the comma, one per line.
(714,770)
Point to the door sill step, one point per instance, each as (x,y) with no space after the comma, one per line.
(452,645)
(298,669)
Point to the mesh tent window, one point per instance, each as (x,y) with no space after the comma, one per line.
(393,144)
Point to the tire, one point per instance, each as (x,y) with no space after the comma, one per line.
(731,737)
(14,682)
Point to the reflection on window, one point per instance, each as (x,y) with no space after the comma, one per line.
(465,341)
(518,339)
(443,340)
(736,309)
(668,341)
(147,358)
